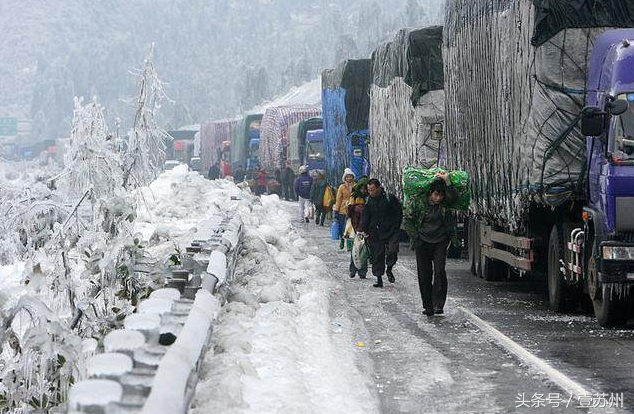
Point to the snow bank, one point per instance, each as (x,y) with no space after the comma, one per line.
(272,346)
(181,206)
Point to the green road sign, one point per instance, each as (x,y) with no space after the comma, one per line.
(8,127)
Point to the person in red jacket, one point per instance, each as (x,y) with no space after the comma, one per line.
(262,181)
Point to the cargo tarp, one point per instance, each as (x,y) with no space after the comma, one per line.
(512,108)
(401,133)
(553,16)
(211,137)
(345,106)
(274,132)
(413,55)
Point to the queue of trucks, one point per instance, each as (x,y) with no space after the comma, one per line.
(534,99)
(537,108)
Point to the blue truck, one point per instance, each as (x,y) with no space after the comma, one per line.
(345,112)
(544,124)
(315,158)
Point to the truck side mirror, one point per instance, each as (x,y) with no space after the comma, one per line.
(618,107)
(592,121)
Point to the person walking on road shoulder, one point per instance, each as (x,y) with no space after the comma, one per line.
(438,230)
(356,206)
(382,219)
(317,192)
(288,179)
(340,209)
(214,171)
(262,181)
(303,184)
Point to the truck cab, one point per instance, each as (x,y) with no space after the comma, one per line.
(606,243)
(315,158)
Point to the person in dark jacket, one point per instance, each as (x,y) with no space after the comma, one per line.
(303,184)
(240,174)
(214,172)
(382,219)
(317,192)
(288,179)
(431,245)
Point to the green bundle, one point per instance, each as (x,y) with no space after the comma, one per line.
(416,184)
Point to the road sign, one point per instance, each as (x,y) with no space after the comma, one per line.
(8,127)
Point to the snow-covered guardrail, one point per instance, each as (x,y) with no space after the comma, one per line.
(151,366)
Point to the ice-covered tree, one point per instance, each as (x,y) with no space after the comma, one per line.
(93,163)
(146,141)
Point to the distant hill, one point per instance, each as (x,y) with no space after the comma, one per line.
(219,57)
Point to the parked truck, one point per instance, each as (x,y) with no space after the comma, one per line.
(303,150)
(345,100)
(245,143)
(540,111)
(315,158)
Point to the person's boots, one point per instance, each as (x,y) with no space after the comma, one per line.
(390,275)
(379,282)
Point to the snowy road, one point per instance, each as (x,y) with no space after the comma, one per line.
(438,365)
(301,336)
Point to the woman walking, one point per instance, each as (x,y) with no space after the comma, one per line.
(340,209)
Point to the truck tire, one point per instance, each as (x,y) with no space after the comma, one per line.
(471,243)
(561,297)
(610,309)
(491,269)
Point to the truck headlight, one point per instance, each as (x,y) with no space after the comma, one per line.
(618,252)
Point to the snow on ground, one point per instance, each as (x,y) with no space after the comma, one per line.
(273,349)
(178,202)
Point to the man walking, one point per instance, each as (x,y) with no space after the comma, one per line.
(303,184)
(288,178)
(438,229)
(382,219)
(317,193)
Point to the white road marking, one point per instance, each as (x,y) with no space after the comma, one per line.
(564,382)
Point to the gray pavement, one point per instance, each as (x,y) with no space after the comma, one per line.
(444,364)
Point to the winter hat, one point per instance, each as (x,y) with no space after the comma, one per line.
(303,169)
(348,171)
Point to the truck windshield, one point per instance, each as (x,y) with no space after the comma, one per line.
(623,146)
(315,150)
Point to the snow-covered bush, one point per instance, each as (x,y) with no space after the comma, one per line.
(74,231)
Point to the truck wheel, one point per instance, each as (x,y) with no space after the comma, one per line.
(471,243)
(491,269)
(560,294)
(610,308)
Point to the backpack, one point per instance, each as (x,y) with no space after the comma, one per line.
(329,197)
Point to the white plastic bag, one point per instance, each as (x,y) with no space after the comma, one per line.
(360,251)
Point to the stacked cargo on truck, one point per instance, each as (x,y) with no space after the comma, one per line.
(345,110)
(274,133)
(406,104)
(551,193)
